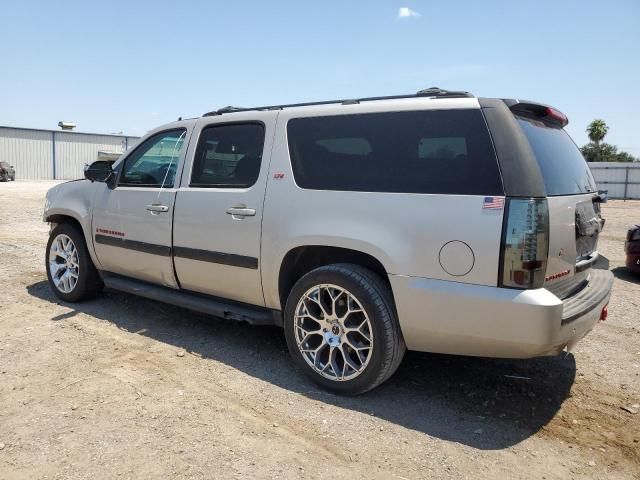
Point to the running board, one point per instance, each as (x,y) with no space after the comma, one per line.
(193,301)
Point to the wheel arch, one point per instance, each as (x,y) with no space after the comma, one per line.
(58,217)
(300,260)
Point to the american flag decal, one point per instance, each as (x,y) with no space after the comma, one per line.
(494,203)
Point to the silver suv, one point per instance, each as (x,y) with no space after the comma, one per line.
(436,222)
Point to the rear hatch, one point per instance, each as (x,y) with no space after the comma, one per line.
(573,202)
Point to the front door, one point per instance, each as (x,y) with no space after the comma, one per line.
(132,222)
(218,213)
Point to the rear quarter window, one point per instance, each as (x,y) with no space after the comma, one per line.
(435,151)
(564,169)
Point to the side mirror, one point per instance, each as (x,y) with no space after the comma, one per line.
(99,171)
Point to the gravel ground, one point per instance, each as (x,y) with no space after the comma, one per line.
(121,387)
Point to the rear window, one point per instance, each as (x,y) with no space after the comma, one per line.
(437,151)
(564,170)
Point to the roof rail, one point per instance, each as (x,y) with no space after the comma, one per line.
(440,93)
(432,92)
(227,109)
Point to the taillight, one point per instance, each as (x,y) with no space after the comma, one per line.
(525,243)
(557,115)
(604,313)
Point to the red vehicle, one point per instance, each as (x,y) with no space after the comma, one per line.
(632,248)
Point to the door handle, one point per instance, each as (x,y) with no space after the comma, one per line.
(155,208)
(241,211)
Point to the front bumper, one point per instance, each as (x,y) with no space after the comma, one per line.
(463,319)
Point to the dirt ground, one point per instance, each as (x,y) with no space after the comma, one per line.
(121,387)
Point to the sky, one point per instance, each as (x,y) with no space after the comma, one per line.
(130,66)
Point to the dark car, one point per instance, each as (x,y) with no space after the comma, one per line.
(7,172)
(632,248)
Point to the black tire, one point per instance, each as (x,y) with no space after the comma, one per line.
(89,283)
(376,299)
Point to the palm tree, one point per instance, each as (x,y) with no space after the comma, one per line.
(597,131)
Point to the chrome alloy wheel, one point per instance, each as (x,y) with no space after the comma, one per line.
(333,332)
(63,263)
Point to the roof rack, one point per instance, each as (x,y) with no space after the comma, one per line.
(432,92)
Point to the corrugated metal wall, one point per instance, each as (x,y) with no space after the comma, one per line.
(622,180)
(31,152)
(73,151)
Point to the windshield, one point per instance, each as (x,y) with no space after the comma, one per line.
(564,170)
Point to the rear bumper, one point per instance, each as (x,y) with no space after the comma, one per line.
(456,318)
(632,249)
(633,262)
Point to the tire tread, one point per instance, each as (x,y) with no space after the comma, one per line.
(89,283)
(380,294)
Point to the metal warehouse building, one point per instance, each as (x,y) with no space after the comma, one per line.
(621,180)
(55,154)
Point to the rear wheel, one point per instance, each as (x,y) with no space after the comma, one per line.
(342,329)
(70,271)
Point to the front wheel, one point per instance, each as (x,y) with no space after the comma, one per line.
(342,329)
(70,271)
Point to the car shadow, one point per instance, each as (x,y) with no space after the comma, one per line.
(623,273)
(484,403)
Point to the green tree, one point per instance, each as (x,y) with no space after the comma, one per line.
(597,150)
(605,152)
(597,130)
(625,157)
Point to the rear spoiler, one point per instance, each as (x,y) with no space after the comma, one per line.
(550,116)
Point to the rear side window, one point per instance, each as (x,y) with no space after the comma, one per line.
(564,169)
(437,151)
(228,156)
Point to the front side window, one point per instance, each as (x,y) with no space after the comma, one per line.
(228,156)
(434,151)
(154,163)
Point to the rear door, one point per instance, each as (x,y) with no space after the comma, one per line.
(574,210)
(218,214)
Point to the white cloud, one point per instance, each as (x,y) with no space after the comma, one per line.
(406,12)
